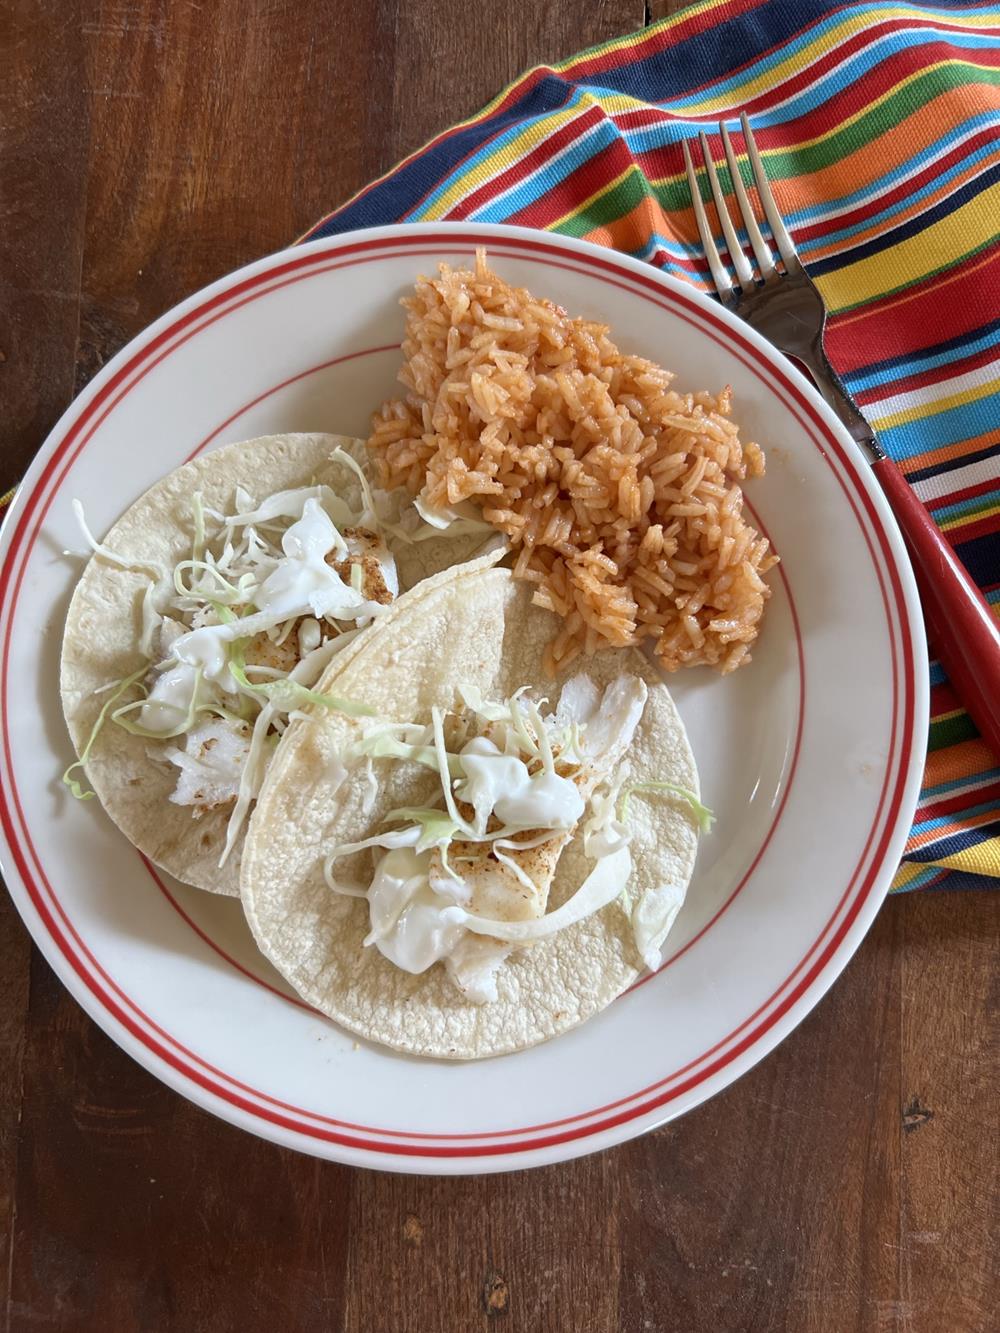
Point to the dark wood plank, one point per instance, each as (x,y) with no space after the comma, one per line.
(769,1208)
(538,1250)
(43,121)
(950,1207)
(661,9)
(136,1211)
(15,950)
(219,134)
(446,63)
(43,137)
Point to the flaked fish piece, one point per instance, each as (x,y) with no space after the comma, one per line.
(211,763)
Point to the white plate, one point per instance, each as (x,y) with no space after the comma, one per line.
(811,756)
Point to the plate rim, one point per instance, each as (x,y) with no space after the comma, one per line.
(411,1156)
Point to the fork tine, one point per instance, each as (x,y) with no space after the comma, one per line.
(760,247)
(744,270)
(722,280)
(786,247)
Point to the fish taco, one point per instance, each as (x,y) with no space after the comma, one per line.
(483,857)
(205,619)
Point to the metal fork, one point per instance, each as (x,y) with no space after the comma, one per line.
(781,301)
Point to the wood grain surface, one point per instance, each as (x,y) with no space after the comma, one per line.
(847,1183)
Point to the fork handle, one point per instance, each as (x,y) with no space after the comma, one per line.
(962,629)
(831,386)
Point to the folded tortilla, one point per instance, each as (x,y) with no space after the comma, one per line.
(103,627)
(473,627)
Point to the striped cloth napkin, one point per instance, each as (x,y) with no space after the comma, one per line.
(879,127)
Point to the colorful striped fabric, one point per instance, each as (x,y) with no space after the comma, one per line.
(880,127)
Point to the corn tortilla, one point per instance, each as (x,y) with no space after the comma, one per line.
(476,628)
(103,626)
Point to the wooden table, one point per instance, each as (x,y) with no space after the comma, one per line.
(149,146)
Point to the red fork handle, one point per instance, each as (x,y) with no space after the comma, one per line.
(964,632)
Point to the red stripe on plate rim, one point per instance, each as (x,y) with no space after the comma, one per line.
(313,262)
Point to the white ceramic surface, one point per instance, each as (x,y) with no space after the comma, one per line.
(813,779)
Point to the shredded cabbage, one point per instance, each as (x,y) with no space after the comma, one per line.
(382,744)
(153,570)
(515,869)
(198,527)
(436,827)
(250,780)
(516,732)
(473,699)
(267,727)
(289,504)
(437,723)
(233,594)
(368,513)
(528,733)
(120,716)
(601,887)
(405,837)
(151,567)
(119,688)
(702,813)
(151,620)
(218,585)
(445,519)
(287,694)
